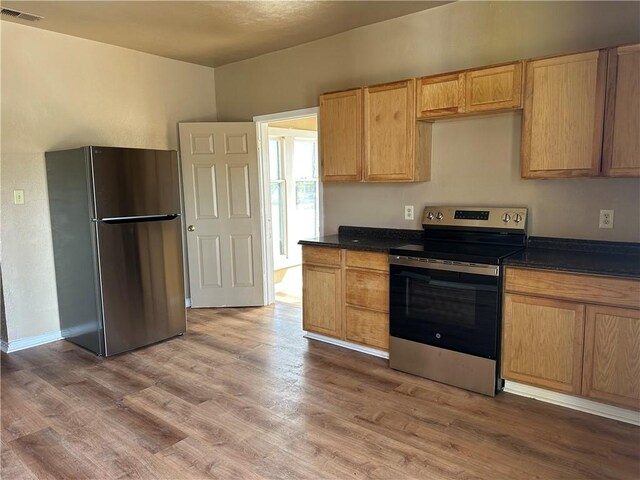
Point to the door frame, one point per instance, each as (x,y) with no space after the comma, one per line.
(262,122)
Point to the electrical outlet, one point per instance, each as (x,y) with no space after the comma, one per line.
(606,219)
(408,212)
(18,197)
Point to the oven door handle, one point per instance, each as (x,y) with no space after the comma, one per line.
(463,286)
(446,284)
(428,264)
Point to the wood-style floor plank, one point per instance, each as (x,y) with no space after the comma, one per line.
(243,395)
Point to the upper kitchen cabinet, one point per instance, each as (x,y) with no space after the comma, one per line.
(563,116)
(621,151)
(441,96)
(341,136)
(397,149)
(481,90)
(494,88)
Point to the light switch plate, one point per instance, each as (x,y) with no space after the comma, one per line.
(18,197)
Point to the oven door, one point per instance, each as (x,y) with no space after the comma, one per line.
(451,305)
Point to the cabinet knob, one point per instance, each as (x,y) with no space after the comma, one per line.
(191,228)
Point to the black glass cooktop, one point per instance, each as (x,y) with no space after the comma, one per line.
(457,251)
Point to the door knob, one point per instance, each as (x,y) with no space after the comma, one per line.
(191,228)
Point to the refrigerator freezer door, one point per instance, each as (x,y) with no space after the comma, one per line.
(142,282)
(132,182)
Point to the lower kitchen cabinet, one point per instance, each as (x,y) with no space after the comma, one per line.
(575,347)
(345,295)
(322,300)
(542,342)
(611,371)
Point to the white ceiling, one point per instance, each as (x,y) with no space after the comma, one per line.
(210,33)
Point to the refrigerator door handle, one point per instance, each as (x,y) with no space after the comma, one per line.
(139,218)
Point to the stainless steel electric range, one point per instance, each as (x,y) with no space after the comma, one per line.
(445,295)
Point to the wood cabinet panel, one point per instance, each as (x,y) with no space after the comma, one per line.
(494,88)
(345,294)
(612,356)
(583,288)
(621,151)
(341,136)
(368,260)
(441,95)
(542,342)
(322,300)
(389,125)
(563,116)
(367,289)
(367,327)
(322,255)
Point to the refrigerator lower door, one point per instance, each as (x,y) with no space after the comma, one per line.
(142,282)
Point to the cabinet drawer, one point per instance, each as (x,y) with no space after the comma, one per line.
(322,256)
(370,260)
(367,327)
(368,289)
(569,286)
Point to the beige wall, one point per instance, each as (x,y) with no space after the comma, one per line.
(61,92)
(475,161)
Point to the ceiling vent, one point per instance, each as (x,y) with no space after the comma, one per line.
(29,17)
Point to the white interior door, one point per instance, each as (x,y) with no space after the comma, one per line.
(222,212)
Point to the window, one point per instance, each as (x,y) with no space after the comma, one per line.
(293,167)
(278,196)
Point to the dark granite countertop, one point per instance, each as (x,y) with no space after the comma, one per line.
(581,256)
(568,255)
(366,238)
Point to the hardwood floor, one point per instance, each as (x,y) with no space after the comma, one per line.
(243,395)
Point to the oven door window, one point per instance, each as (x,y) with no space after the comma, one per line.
(452,310)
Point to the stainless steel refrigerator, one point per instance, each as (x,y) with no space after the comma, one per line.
(117,244)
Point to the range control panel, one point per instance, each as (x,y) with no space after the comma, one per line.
(513,218)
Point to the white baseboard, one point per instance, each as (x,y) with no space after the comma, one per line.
(187,302)
(28,342)
(351,346)
(575,403)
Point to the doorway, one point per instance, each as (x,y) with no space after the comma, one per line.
(289,159)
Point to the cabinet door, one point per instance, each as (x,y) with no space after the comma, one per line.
(341,136)
(494,88)
(322,300)
(389,125)
(621,153)
(612,356)
(563,116)
(542,342)
(441,95)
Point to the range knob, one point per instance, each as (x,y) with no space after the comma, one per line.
(439,216)
(517,218)
(506,218)
(430,216)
